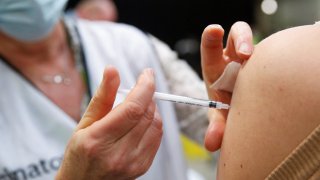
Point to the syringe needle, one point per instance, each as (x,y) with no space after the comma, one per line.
(185,100)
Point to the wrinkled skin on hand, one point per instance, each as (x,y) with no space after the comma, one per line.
(118,143)
(214,59)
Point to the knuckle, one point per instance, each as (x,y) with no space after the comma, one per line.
(157,124)
(86,145)
(116,164)
(137,169)
(122,166)
(158,130)
(134,110)
(149,114)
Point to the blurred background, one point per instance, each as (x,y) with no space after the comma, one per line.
(180,23)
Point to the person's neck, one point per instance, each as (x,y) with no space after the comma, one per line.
(45,50)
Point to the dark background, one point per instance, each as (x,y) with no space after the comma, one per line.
(176,20)
(171,20)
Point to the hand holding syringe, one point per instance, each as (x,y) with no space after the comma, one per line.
(185,100)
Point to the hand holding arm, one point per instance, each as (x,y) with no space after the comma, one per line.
(117,143)
(213,61)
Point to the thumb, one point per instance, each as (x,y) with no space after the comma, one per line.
(239,44)
(102,101)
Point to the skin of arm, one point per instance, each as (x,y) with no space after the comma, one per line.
(275,104)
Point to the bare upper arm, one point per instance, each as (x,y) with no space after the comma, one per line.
(275,105)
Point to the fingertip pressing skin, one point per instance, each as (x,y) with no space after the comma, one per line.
(244,43)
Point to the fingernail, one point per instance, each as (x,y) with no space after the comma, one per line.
(245,48)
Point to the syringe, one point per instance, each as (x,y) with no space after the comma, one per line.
(185,100)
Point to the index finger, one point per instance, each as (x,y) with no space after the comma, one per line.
(212,61)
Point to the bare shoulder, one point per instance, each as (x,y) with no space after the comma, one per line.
(275,104)
(297,41)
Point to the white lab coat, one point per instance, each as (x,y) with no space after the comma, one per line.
(34,131)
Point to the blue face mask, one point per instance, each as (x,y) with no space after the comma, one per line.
(29,20)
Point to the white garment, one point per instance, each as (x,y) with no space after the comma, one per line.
(130,51)
(34,131)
